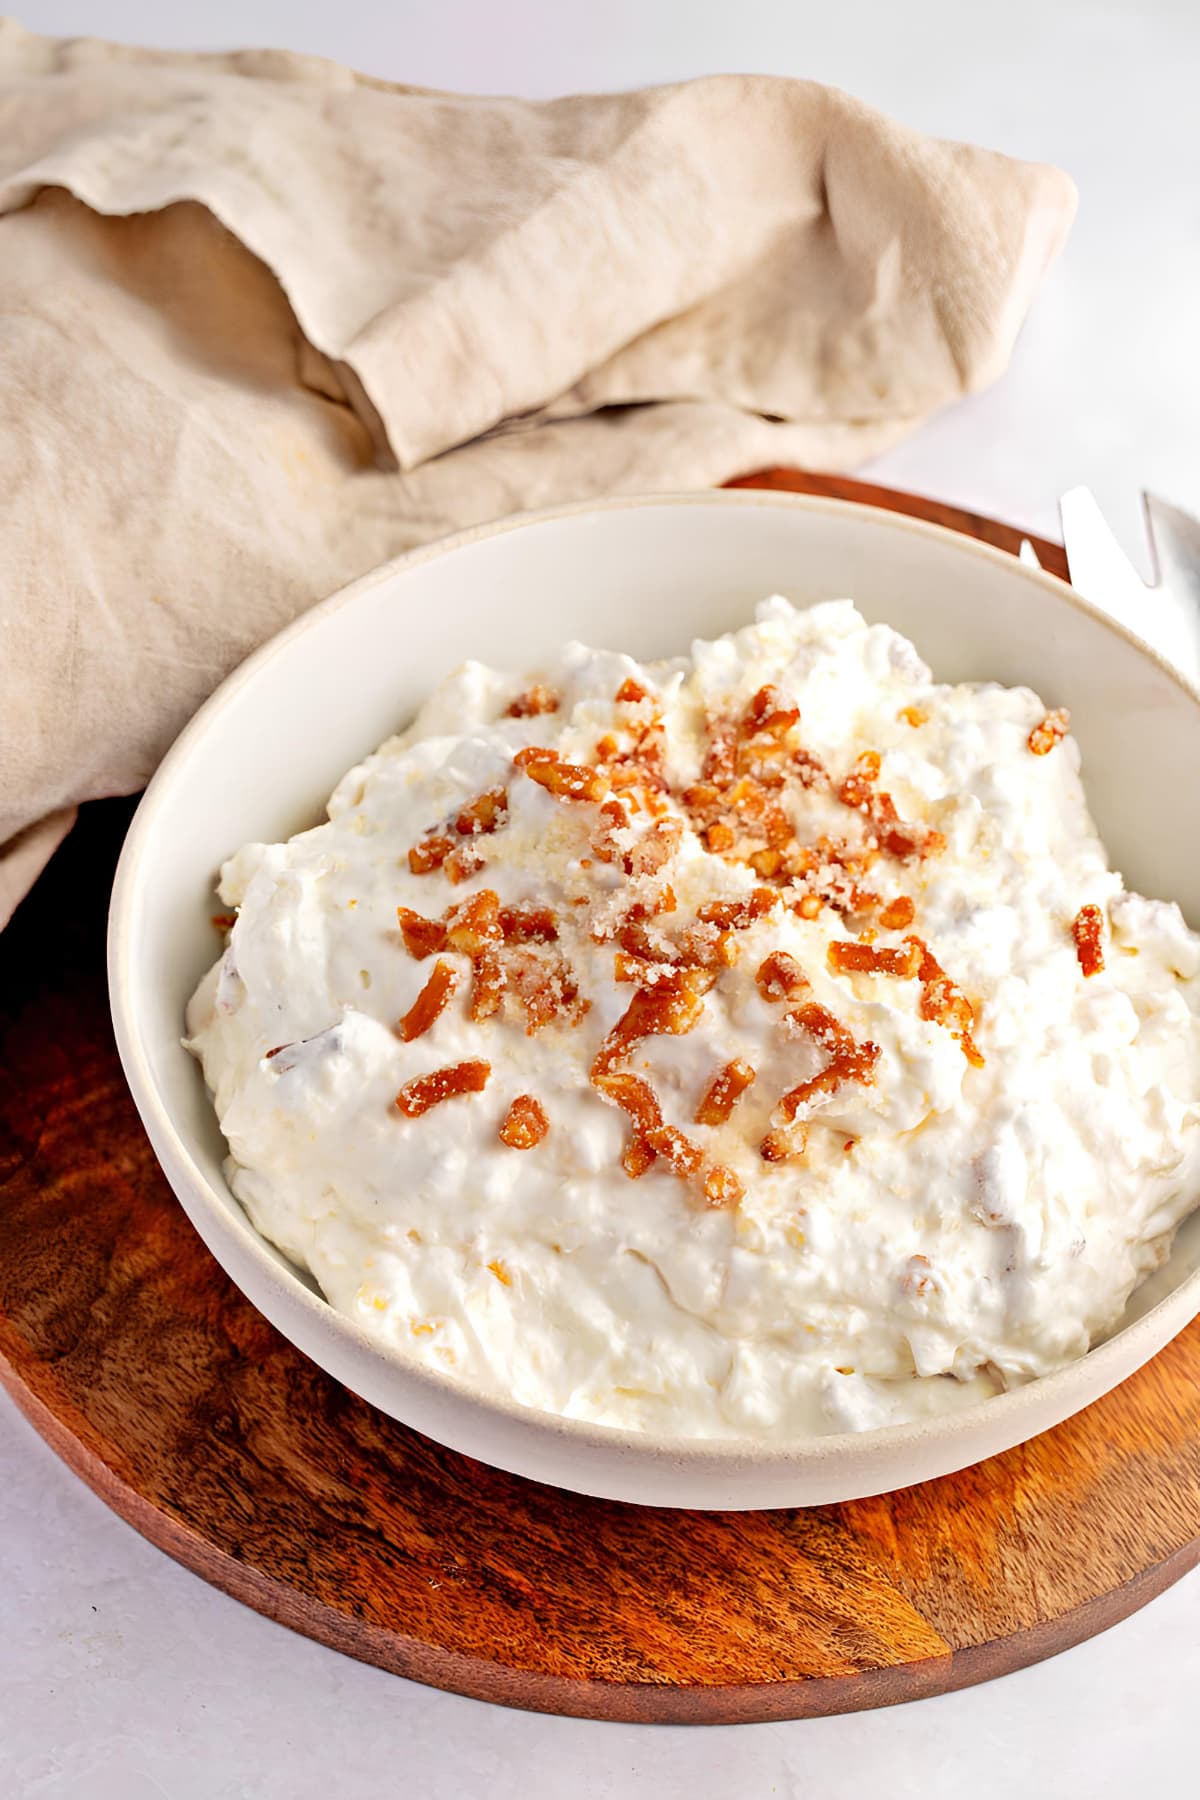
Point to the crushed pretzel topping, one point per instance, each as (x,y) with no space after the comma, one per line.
(723,1189)
(417,1096)
(780,977)
(1052,730)
(533,702)
(1087,928)
(848,1060)
(670,1006)
(487,813)
(896,836)
(474,926)
(566,781)
(898,913)
(429,1004)
(422,937)
(736,915)
(784,1144)
(463,862)
(736,808)
(846,958)
(943,1002)
(725,1089)
(525,1123)
(637,1155)
(527,925)
(430,853)
(651,1140)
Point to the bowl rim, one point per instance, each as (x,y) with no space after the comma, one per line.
(1108,1362)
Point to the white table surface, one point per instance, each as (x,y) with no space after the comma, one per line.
(121,1676)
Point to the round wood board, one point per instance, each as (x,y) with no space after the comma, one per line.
(165,1390)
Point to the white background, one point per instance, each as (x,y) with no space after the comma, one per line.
(122,1677)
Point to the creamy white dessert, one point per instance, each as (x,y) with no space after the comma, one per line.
(755,1044)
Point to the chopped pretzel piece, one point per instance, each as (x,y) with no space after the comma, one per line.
(944,1003)
(681,1156)
(896,836)
(422,937)
(722,1188)
(725,1089)
(566,781)
(489,986)
(849,1061)
(769,712)
(534,701)
(527,925)
(735,915)
(1088,931)
(462,863)
(423,1091)
(525,1123)
(897,913)
(486,813)
(1052,730)
(851,959)
(637,1155)
(429,1004)
(785,1144)
(670,1006)
(473,926)
(430,853)
(780,977)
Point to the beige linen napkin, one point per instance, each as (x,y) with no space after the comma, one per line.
(265,322)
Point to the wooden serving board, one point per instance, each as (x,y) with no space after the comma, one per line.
(163,1388)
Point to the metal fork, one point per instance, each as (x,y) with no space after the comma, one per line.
(1166,614)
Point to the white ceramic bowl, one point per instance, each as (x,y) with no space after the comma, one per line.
(260,758)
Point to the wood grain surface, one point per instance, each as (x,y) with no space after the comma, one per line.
(146,1370)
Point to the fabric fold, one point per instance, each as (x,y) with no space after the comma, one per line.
(265,323)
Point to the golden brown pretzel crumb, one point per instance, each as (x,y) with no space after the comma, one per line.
(525,1123)
(533,702)
(486,813)
(847,958)
(943,1002)
(780,977)
(566,781)
(849,1061)
(527,925)
(1088,931)
(770,712)
(422,937)
(430,853)
(723,1189)
(417,1096)
(429,1004)
(725,1089)
(897,913)
(1052,729)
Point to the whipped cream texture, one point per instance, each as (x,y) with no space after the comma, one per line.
(752,1045)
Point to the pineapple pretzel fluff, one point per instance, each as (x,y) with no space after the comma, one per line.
(755,1044)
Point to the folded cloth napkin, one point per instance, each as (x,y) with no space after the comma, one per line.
(265,322)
